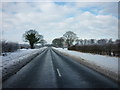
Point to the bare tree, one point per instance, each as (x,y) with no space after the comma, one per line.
(85,41)
(77,41)
(70,37)
(92,41)
(81,42)
(43,42)
(102,41)
(58,42)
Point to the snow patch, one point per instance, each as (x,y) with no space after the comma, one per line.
(15,60)
(106,62)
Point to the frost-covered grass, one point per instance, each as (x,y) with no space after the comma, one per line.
(18,54)
(16,60)
(106,62)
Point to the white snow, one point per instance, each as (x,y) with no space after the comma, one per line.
(106,62)
(17,55)
(15,60)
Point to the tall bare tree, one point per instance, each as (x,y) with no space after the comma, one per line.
(70,37)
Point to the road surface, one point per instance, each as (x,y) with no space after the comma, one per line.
(52,69)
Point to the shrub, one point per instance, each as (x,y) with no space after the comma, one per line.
(9,46)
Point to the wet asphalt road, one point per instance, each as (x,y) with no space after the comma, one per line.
(52,69)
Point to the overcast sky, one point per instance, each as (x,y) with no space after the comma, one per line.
(52,19)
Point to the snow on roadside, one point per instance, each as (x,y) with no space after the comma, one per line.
(106,62)
(16,60)
(18,55)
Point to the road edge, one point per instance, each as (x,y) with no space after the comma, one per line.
(13,69)
(97,68)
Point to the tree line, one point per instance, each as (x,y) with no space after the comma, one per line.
(101,46)
(66,40)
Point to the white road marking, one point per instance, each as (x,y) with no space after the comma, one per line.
(58,72)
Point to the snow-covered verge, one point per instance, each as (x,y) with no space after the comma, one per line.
(16,60)
(103,64)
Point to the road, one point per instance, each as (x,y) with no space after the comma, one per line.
(52,69)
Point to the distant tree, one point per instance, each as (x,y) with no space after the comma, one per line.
(58,42)
(102,41)
(85,41)
(88,42)
(70,37)
(43,42)
(101,46)
(61,40)
(92,41)
(33,37)
(81,41)
(55,42)
(77,41)
(110,41)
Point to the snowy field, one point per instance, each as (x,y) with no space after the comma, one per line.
(106,62)
(18,55)
(15,60)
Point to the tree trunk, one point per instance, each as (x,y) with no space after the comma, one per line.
(31,45)
(68,45)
